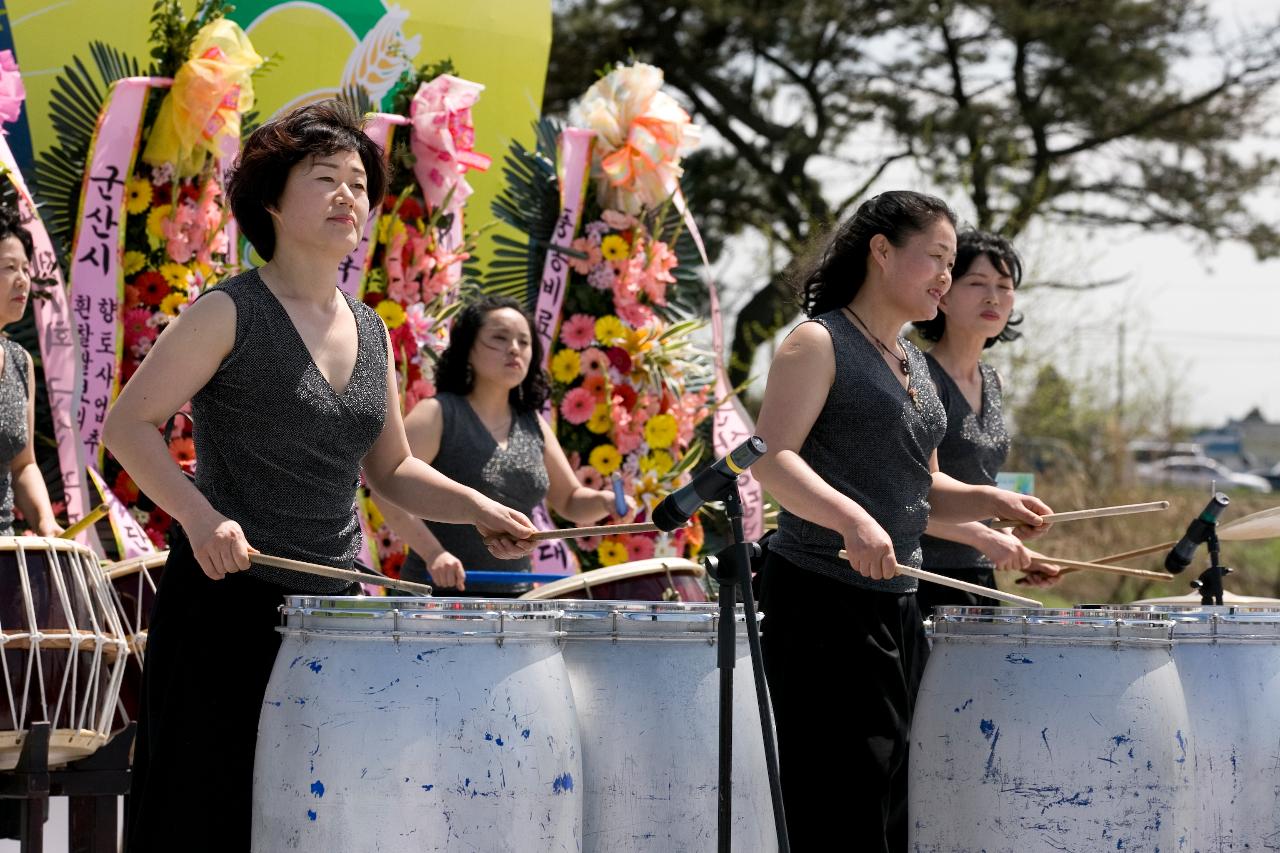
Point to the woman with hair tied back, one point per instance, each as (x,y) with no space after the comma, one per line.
(853,423)
(293,390)
(975,314)
(483,429)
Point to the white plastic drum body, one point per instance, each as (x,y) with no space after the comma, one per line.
(646,687)
(1049,730)
(394,724)
(1229,662)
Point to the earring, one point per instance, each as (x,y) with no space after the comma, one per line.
(520,393)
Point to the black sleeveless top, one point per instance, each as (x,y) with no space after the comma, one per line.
(871,442)
(514,476)
(973,451)
(13,423)
(277,449)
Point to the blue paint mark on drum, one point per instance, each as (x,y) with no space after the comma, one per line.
(1014,657)
(314,666)
(276,704)
(966,704)
(1044,736)
(311,815)
(987,728)
(991,733)
(489,736)
(427,787)
(294,662)
(525,734)
(562,784)
(1182,744)
(317,789)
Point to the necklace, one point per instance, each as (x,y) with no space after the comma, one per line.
(900,356)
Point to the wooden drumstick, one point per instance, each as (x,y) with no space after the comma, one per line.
(1082,566)
(83,524)
(1081,514)
(340,574)
(1264,524)
(600,530)
(943,580)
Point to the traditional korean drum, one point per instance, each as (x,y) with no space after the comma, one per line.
(1050,730)
(658,579)
(64,650)
(133,585)
(418,724)
(1228,660)
(646,687)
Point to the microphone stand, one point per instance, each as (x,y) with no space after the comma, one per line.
(732,569)
(1210,581)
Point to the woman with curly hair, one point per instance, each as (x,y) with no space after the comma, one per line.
(483,429)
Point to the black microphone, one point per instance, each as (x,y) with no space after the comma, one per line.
(679,506)
(1197,531)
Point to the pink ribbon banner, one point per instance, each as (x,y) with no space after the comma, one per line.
(134,542)
(554,556)
(732,424)
(57,346)
(352,270)
(97,270)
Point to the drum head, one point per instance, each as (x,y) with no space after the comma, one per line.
(617,579)
(1193,598)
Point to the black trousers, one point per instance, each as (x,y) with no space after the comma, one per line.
(843,666)
(210,651)
(931,595)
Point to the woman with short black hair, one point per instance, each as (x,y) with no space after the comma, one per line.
(293,390)
(853,422)
(974,315)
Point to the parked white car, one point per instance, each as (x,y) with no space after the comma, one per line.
(1199,472)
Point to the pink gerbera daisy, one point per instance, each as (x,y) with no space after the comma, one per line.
(639,548)
(590,477)
(594,362)
(577,406)
(578,331)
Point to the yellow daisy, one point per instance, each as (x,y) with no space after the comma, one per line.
(177,275)
(601,419)
(174,301)
(133,262)
(390,312)
(661,430)
(566,365)
(614,248)
(137,195)
(610,330)
(155,220)
(658,462)
(605,458)
(612,552)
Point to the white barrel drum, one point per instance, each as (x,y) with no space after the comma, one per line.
(1050,730)
(1229,661)
(646,687)
(418,724)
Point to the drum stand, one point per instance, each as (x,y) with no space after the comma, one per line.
(91,785)
(1210,581)
(732,569)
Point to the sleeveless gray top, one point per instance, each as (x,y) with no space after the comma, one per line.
(871,443)
(514,476)
(13,423)
(277,449)
(972,451)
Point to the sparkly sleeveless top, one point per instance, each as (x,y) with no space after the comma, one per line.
(872,442)
(13,423)
(277,448)
(514,476)
(973,451)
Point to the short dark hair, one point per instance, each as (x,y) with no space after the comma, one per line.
(11,226)
(452,374)
(314,130)
(971,245)
(841,268)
